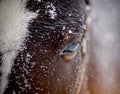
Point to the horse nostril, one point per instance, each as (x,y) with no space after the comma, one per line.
(70,51)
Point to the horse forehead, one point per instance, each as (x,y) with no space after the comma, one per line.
(53,19)
(58,11)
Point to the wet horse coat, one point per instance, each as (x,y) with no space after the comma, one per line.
(32,35)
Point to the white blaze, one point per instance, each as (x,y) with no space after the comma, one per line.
(13,30)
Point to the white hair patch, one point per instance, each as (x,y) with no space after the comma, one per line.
(14,19)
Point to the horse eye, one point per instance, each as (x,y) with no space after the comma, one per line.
(69,52)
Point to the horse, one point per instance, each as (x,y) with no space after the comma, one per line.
(41,46)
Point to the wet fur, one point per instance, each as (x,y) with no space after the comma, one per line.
(41,33)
